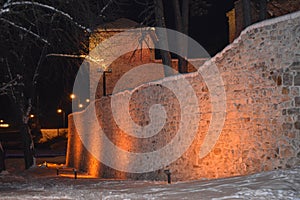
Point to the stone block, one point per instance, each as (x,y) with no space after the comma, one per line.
(297,101)
(285,90)
(293,111)
(295,66)
(287,126)
(288,79)
(297,80)
(297,125)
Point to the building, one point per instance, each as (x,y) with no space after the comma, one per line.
(108,74)
(275,8)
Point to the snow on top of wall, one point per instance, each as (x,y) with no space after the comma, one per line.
(256,26)
(156,82)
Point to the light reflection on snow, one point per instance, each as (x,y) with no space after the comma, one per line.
(42,183)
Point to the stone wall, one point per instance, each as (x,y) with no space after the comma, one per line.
(261,75)
(275,8)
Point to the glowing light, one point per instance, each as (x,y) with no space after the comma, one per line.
(1,121)
(4,125)
(31,116)
(80,105)
(87,100)
(59,110)
(72,96)
(78,176)
(51,165)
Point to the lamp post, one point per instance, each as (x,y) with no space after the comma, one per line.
(72,96)
(60,111)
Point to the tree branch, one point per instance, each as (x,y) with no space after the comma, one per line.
(26,30)
(18,3)
(76,56)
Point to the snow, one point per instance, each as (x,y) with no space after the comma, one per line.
(43,183)
(24,3)
(4,11)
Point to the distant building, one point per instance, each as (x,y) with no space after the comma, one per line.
(121,64)
(127,62)
(275,8)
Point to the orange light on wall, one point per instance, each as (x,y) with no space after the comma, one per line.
(80,176)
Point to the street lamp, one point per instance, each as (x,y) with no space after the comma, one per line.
(60,111)
(72,96)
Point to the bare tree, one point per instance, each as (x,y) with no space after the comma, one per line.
(247,12)
(262,10)
(181,12)
(29,31)
(2,158)
(162,36)
(182,25)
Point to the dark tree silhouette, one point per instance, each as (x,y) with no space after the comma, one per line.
(247,12)
(182,9)
(29,31)
(2,158)
(262,10)
(162,36)
(182,23)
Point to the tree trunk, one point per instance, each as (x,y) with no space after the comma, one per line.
(247,13)
(262,10)
(185,16)
(183,63)
(2,158)
(28,146)
(178,18)
(162,37)
(22,111)
(181,22)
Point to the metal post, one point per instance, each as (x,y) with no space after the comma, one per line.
(64,119)
(75,173)
(168,173)
(104,84)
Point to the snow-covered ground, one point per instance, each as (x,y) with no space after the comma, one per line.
(42,183)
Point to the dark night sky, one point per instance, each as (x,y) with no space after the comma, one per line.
(210,30)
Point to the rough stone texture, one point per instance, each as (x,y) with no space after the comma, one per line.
(275,8)
(261,131)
